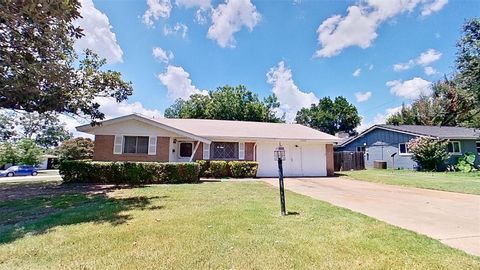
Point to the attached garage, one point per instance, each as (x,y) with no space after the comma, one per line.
(302,159)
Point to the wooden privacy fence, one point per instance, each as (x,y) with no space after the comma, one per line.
(348,160)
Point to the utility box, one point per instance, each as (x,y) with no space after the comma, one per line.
(379,164)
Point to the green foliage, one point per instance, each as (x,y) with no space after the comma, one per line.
(243,169)
(39,69)
(29,153)
(468,58)
(429,153)
(226,103)
(330,116)
(221,169)
(7,126)
(8,154)
(76,149)
(466,163)
(134,173)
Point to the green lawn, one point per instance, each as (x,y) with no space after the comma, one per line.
(447,181)
(223,225)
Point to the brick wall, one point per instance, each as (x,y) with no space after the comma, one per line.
(103,150)
(329,153)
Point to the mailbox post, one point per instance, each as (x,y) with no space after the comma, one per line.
(279,154)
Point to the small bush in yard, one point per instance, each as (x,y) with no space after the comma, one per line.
(466,163)
(81,171)
(429,153)
(220,169)
(243,169)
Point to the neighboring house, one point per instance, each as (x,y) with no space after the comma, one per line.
(389,143)
(138,138)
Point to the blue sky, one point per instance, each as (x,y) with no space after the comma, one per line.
(378,54)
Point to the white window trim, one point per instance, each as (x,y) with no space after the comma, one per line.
(117,142)
(406,148)
(453,148)
(152,145)
(179,148)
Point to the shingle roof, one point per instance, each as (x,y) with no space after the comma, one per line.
(443,132)
(229,129)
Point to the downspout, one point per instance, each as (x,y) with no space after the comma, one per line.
(194,151)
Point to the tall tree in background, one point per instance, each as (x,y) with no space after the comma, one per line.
(455,101)
(330,116)
(39,70)
(226,103)
(76,149)
(45,129)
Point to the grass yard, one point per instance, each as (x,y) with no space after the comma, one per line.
(447,181)
(223,225)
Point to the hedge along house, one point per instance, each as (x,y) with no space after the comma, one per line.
(389,143)
(138,138)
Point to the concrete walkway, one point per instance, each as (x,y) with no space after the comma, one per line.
(452,218)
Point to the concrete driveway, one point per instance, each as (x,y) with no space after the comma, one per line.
(452,218)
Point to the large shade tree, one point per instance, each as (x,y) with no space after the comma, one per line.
(330,116)
(39,69)
(226,103)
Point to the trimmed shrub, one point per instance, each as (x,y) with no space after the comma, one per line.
(221,169)
(134,173)
(243,169)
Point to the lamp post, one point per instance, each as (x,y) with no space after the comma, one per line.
(279,155)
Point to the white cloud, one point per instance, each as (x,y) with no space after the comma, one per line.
(291,98)
(177,29)
(370,67)
(428,57)
(362,97)
(410,89)
(98,34)
(433,6)
(162,55)
(430,71)
(359,26)
(203,4)
(357,72)
(229,18)
(178,83)
(379,118)
(156,9)
(424,59)
(404,66)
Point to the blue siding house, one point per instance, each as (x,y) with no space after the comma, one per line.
(389,143)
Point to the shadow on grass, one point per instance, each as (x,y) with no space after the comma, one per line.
(60,205)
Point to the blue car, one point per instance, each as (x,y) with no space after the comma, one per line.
(19,171)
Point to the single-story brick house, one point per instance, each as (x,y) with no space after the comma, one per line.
(134,137)
(389,143)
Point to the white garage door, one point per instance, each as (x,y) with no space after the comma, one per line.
(302,159)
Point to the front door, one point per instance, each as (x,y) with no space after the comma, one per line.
(185,150)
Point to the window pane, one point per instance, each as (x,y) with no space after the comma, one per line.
(478,147)
(224,150)
(456,147)
(450,147)
(403,148)
(142,145)
(186,149)
(129,144)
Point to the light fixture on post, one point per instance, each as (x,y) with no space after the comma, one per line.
(279,156)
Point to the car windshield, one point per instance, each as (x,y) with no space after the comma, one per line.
(13,168)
